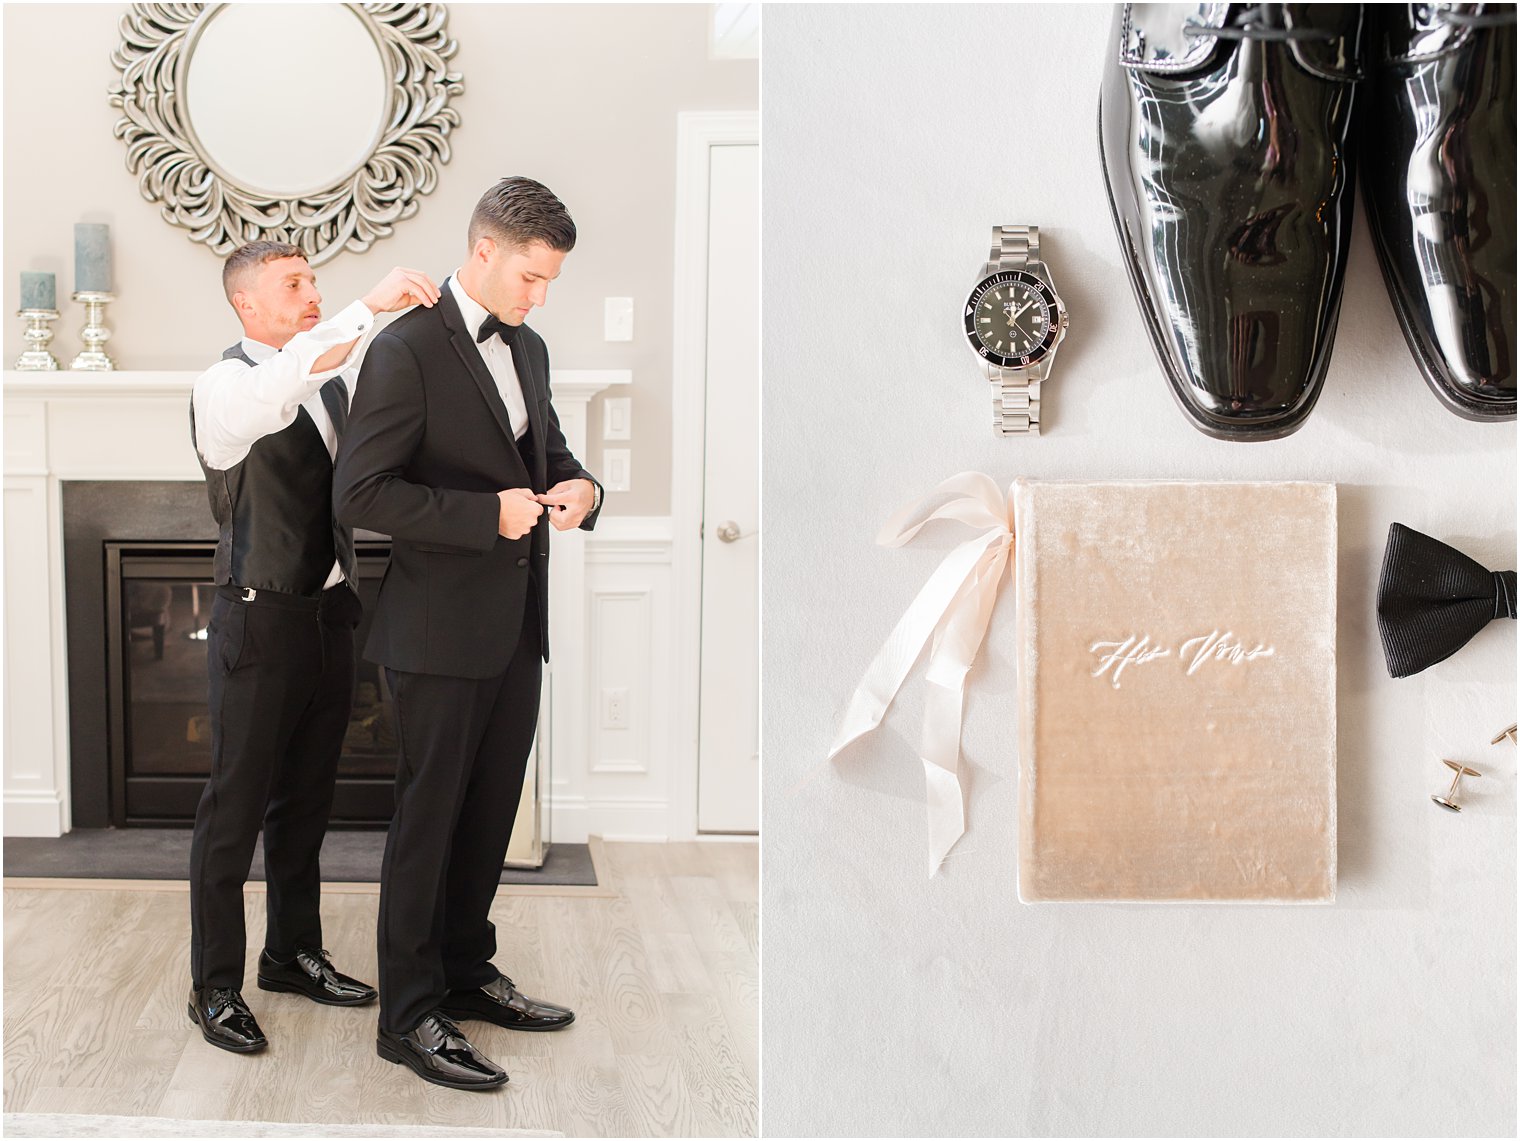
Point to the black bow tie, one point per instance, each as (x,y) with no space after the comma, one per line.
(1432,599)
(493,324)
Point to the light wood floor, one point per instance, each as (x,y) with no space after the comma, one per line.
(661,967)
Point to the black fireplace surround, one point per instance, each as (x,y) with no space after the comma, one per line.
(131,551)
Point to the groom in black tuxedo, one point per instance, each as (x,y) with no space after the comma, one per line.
(453,449)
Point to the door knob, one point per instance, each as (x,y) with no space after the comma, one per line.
(728,532)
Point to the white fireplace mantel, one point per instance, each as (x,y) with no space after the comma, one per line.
(63,426)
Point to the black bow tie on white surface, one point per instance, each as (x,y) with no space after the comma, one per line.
(1432,599)
(493,324)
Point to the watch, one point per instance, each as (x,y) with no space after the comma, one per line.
(1015,321)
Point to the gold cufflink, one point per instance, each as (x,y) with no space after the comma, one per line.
(1510,733)
(1450,799)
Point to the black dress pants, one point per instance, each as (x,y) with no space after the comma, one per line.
(464,746)
(282,681)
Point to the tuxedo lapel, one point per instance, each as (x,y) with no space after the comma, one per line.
(463,340)
(534,387)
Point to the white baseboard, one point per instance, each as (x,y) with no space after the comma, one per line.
(33,814)
(575,818)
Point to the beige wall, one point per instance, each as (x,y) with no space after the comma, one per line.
(582,97)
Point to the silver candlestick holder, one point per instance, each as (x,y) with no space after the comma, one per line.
(94,334)
(36,358)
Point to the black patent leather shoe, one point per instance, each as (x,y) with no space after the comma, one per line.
(1438,180)
(1224,131)
(501,1002)
(311,973)
(437,1051)
(225,1020)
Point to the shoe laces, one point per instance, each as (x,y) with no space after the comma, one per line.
(1251,23)
(222,996)
(1497,16)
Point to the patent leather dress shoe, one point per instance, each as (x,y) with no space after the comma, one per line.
(502,1003)
(1438,180)
(1224,131)
(438,1052)
(225,1020)
(311,973)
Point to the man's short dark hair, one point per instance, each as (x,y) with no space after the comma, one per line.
(244,260)
(517,211)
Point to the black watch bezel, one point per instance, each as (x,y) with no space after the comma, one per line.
(1052,327)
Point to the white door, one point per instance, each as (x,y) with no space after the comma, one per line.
(728,778)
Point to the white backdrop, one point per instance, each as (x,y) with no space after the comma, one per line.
(895,138)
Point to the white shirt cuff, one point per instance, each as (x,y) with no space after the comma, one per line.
(354,323)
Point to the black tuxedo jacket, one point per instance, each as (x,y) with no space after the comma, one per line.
(427,447)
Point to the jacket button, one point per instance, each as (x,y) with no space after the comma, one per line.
(522,562)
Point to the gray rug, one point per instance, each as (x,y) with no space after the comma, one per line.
(94,1125)
(164,854)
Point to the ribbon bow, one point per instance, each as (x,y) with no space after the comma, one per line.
(1432,599)
(953,610)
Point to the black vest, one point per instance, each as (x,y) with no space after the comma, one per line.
(275,510)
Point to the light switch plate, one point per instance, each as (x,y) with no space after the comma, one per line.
(616,469)
(617,418)
(619,319)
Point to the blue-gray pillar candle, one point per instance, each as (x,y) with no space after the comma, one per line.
(92,257)
(38,290)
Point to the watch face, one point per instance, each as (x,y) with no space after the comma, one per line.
(1012,319)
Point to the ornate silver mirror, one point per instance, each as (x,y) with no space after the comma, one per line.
(316,124)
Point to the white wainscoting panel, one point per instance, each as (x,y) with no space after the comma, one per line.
(620,786)
(25,437)
(622,626)
(35,784)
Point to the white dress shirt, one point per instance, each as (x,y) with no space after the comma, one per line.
(235,406)
(497,356)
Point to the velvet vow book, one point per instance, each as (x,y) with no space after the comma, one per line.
(1176,654)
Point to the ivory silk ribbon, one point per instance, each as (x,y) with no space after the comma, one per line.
(953,610)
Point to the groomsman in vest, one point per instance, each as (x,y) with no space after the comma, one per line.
(455,451)
(265,422)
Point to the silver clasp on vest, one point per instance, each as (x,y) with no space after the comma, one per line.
(249,594)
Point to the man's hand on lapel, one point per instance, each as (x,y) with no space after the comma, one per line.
(569,503)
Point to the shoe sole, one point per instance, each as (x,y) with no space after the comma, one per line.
(290,988)
(1273,430)
(254,1049)
(396,1058)
(477,1016)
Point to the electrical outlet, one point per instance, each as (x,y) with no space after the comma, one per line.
(617,418)
(618,322)
(616,469)
(614,709)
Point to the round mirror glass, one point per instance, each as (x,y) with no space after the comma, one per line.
(286,99)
